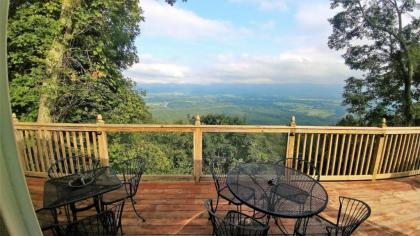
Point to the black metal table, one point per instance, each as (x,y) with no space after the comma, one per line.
(58,193)
(280,191)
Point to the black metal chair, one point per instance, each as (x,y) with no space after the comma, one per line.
(219,168)
(132,170)
(105,223)
(75,165)
(72,165)
(304,166)
(235,223)
(351,214)
(47,219)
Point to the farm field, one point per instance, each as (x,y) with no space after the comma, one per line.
(258,105)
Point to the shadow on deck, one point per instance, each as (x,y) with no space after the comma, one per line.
(176,208)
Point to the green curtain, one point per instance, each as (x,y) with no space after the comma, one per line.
(16,209)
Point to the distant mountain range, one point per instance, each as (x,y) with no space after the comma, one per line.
(258,104)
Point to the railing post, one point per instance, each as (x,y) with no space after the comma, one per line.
(198,149)
(14,118)
(19,142)
(291,141)
(379,150)
(102,142)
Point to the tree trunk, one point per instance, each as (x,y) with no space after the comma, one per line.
(408,100)
(54,60)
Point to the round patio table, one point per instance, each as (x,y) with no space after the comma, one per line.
(280,191)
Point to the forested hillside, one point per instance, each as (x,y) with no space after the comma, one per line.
(65,65)
(66,61)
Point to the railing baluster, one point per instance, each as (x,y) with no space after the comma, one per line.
(353,154)
(337,138)
(57,148)
(365,153)
(89,151)
(339,152)
(404,153)
(399,153)
(397,140)
(343,140)
(69,152)
(310,151)
(389,141)
(75,149)
(359,154)
(417,163)
(323,153)
(63,151)
(316,152)
(329,154)
(370,156)
(303,151)
(415,153)
(346,158)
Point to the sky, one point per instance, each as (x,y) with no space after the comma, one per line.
(237,41)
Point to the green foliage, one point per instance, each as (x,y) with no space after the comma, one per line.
(31,30)
(100,45)
(240,147)
(381,39)
(163,153)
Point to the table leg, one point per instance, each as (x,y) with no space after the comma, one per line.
(67,213)
(98,204)
(280,225)
(73,211)
(302,223)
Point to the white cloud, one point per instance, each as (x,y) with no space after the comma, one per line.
(314,15)
(304,65)
(266,4)
(300,56)
(150,70)
(172,21)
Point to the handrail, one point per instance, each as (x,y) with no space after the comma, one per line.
(340,153)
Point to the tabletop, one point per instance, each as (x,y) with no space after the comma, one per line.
(57,191)
(277,190)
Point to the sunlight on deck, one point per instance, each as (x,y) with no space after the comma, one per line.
(176,208)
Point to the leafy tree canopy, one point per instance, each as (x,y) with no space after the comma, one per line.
(380,39)
(93,42)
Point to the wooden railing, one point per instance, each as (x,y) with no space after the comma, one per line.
(340,153)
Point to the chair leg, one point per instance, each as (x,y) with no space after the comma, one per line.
(121,230)
(217,203)
(239,208)
(135,210)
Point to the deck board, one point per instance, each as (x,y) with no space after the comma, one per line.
(176,208)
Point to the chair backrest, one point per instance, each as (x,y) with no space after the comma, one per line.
(105,223)
(72,165)
(132,170)
(219,168)
(351,214)
(238,226)
(304,166)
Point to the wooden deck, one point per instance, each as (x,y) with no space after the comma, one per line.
(176,208)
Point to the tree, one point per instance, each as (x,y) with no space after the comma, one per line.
(239,147)
(66,60)
(381,43)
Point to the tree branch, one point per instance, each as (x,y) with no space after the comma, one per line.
(403,44)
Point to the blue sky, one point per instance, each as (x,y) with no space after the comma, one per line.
(237,41)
